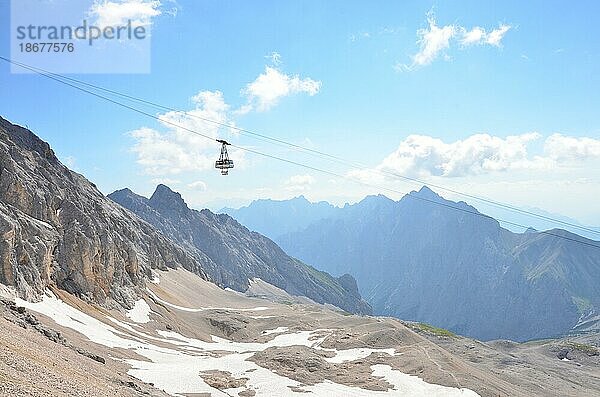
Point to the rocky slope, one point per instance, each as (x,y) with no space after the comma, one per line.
(57,229)
(220,343)
(238,255)
(419,261)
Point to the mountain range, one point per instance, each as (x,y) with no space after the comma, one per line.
(446,264)
(128,296)
(235,254)
(60,231)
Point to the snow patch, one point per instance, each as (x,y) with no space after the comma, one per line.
(342,356)
(140,313)
(186,357)
(277,330)
(410,385)
(67,316)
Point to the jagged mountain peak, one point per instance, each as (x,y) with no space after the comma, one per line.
(426,192)
(375,198)
(164,198)
(237,255)
(126,192)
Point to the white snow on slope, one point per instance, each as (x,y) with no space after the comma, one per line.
(95,330)
(277,330)
(342,356)
(187,357)
(140,313)
(410,385)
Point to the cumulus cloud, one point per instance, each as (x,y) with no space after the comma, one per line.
(478,36)
(495,36)
(119,12)
(561,147)
(473,36)
(273,85)
(432,41)
(177,150)
(299,183)
(197,185)
(423,156)
(435,40)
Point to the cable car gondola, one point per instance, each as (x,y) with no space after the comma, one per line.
(223,163)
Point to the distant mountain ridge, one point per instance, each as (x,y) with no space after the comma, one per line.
(237,254)
(538,223)
(298,213)
(420,261)
(292,215)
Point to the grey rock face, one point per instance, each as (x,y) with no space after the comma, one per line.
(58,230)
(237,254)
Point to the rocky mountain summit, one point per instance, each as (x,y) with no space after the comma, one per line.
(59,230)
(236,254)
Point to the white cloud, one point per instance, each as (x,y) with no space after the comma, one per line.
(432,40)
(272,85)
(177,149)
(435,40)
(560,147)
(424,156)
(474,36)
(495,36)
(197,185)
(299,183)
(478,35)
(119,12)
(165,181)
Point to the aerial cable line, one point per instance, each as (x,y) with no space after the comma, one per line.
(314,152)
(331,173)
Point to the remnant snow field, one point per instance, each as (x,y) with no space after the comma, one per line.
(140,313)
(342,356)
(176,369)
(277,330)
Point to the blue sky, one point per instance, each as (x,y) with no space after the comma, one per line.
(350,79)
